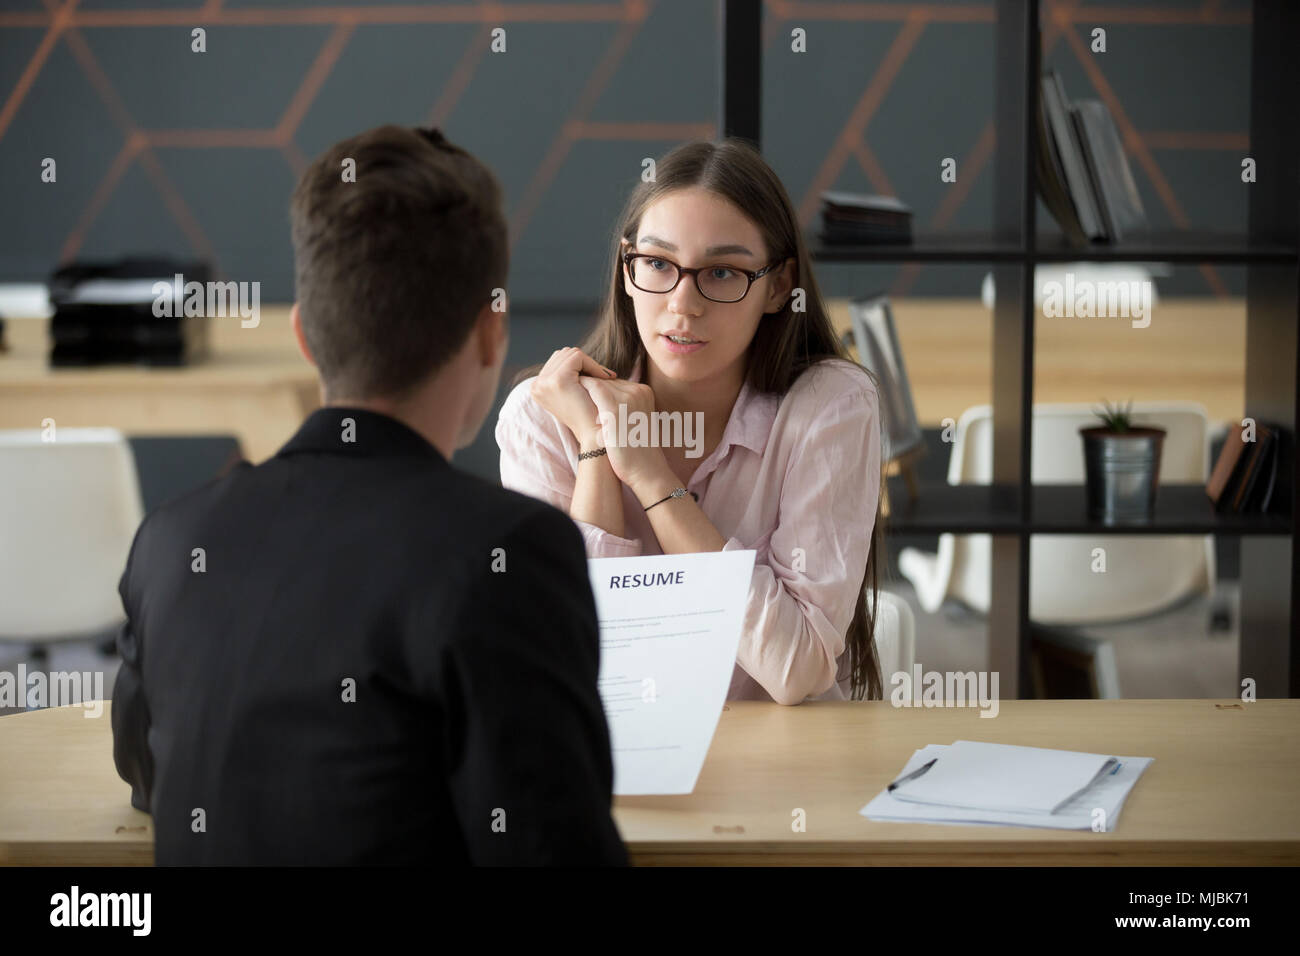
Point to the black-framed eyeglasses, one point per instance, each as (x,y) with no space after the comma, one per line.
(717,283)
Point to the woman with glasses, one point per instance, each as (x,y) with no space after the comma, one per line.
(713,329)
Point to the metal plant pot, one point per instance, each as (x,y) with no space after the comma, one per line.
(1121,470)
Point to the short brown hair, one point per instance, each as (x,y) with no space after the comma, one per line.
(392,268)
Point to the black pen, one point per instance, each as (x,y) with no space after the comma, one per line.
(915,773)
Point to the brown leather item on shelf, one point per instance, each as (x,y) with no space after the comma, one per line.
(1223,468)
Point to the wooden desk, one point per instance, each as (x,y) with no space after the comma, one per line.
(255,385)
(61,800)
(1223,789)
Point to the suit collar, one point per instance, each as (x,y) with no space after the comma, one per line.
(359,432)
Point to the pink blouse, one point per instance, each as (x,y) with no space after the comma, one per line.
(795,477)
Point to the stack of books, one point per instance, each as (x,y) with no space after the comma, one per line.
(1245,474)
(104,314)
(1083,174)
(860,219)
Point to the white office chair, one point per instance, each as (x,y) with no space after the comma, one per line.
(895,635)
(1144,573)
(895,643)
(69,509)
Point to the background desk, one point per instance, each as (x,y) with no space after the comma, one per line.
(258,387)
(1223,789)
(255,385)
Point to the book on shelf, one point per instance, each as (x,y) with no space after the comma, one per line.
(1066,142)
(1051,175)
(1245,474)
(1112,179)
(1084,177)
(859,218)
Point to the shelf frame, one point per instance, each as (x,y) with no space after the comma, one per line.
(1270,252)
(1270,567)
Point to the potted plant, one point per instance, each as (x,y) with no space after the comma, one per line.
(1121,463)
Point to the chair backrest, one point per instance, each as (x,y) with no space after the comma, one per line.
(69,509)
(895,636)
(174,465)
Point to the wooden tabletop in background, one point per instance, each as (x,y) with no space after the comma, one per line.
(258,387)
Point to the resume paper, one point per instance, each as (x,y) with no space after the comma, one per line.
(669,630)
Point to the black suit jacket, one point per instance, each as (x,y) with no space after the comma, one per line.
(355,653)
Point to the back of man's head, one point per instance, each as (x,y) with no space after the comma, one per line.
(399,242)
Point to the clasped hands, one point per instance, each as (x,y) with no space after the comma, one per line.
(585,397)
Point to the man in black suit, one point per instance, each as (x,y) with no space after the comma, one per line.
(354,653)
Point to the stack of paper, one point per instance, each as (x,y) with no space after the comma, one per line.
(1003,785)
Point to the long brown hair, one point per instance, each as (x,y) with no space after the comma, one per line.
(786,344)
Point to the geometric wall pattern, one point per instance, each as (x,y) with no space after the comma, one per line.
(161,149)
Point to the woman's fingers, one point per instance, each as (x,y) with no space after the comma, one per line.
(572,360)
(600,395)
(609,394)
(591,367)
(558,359)
(584,364)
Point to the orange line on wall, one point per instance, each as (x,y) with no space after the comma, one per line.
(875,173)
(387,14)
(317,73)
(213,138)
(58,24)
(1152,16)
(1190,140)
(563,141)
(153,169)
(459,80)
(101,84)
(121,163)
(856,124)
(295,158)
(929,12)
(179,210)
(969,169)
(26,18)
(639,131)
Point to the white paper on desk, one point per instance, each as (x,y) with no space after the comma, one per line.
(1107,793)
(667,653)
(987,776)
